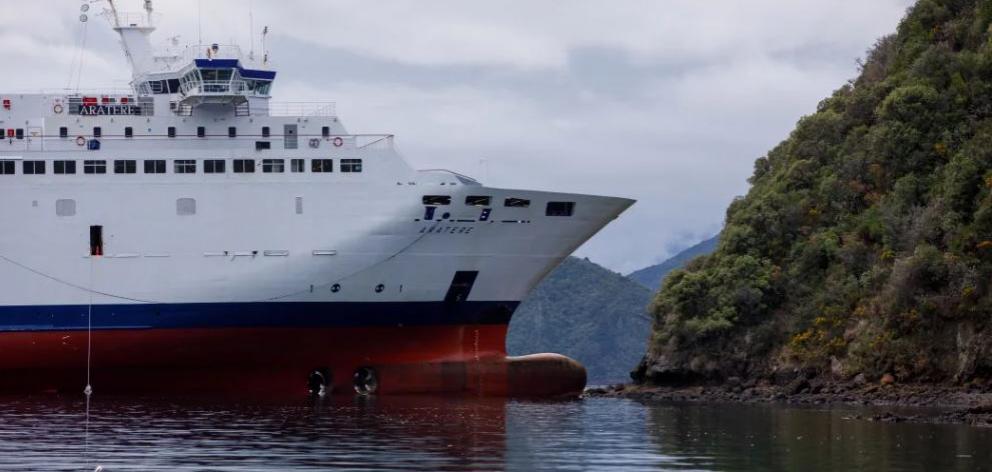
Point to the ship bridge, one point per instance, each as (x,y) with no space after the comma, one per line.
(193,76)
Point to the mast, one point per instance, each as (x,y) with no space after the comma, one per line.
(135,37)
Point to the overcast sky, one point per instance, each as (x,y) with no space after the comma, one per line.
(667,102)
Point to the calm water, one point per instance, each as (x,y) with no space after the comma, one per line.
(468,434)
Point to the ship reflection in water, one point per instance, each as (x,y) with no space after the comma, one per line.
(430,433)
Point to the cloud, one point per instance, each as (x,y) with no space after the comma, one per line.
(666,102)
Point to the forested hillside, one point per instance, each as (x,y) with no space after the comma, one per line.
(588,313)
(865,242)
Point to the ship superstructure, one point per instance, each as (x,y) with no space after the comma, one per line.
(191,232)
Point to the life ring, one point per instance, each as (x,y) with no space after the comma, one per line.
(80,141)
(338,142)
(58,109)
(315,143)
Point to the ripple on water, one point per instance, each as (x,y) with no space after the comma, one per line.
(430,433)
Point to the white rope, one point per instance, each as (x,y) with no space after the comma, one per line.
(89,345)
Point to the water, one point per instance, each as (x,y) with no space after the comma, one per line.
(424,433)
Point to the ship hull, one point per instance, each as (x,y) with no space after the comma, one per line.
(273,349)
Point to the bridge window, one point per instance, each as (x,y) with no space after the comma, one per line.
(351,165)
(478,200)
(34,167)
(6,167)
(273,166)
(516,203)
(213,166)
(560,209)
(184,166)
(296,165)
(244,166)
(322,165)
(94,167)
(125,167)
(437,200)
(65,167)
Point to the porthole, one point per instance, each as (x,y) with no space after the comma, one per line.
(379,288)
(446,216)
(336,288)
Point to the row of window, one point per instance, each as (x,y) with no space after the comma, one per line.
(553,208)
(201,132)
(184,166)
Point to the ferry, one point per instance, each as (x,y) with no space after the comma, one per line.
(190,235)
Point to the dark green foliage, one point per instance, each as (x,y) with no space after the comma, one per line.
(652,276)
(865,241)
(588,313)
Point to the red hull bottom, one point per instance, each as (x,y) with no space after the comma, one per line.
(280,361)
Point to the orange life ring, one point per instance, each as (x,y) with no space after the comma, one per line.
(338,142)
(58,109)
(80,141)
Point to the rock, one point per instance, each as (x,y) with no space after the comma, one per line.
(797,386)
(859,380)
(888,379)
(732,382)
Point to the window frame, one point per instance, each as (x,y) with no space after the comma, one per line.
(157,166)
(125,166)
(297,166)
(242,164)
(68,167)
(188,166)
(350,166)
(436,200)
(273,166)
(95,167)
(479,200)
(210,166)
(33,167)
(561,209)
(513,202)
(322,166)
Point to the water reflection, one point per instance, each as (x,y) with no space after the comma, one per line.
(769,437)
(430,433)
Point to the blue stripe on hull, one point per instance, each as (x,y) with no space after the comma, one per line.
(288,314)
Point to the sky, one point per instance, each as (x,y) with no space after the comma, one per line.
(668,102)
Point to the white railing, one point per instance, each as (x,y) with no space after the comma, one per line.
(206,51)
(305,108)
(214,87)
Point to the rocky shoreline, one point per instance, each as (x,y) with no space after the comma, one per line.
(970,404)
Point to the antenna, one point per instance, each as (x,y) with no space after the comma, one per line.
(199,22)
(251,30)
(148,8)
(265,50)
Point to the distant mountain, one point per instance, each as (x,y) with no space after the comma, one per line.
(586,312)
(651,277)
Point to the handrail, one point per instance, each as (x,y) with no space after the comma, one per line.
(302,108)
(218,87)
